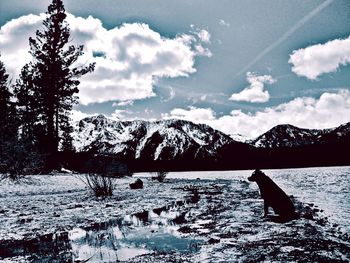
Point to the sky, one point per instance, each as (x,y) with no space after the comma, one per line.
(241,67)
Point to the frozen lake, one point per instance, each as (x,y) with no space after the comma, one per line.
(207,216)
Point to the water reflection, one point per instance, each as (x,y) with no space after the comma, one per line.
(137,234)
(120,239)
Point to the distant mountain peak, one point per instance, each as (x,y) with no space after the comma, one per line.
(286,135)
(156,140)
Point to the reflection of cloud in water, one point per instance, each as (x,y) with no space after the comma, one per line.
(135,235)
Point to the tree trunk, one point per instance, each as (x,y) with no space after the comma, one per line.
(57,128)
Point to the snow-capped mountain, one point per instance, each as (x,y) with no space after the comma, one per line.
(291,136)
(171,140)
(159,140)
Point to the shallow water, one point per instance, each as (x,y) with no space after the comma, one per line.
(116,240)
(134,235)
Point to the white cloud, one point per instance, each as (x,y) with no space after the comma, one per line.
(330,110)
(123,103)
(14,41)
(78,115)
(203,51)
(129,59)
(255,91)
(223,23)
(119,114)
(319,59)
(196,115)
(204,35)
(171,94)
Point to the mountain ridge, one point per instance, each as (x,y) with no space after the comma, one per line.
(105,134)
(183,145)
(140,139)
(287,135)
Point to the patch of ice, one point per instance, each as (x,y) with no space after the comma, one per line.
(118,234)
(126,253)
(76,233)
(287,249)
(204,222)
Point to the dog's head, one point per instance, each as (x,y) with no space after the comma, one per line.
(256,175)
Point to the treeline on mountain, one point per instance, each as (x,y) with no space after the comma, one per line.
(326,153)
(35,110)
(233,156)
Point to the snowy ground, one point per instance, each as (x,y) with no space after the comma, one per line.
(226,219)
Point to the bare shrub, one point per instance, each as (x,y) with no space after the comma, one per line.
(100,185)
(160,176)
(100,174)
(21,159)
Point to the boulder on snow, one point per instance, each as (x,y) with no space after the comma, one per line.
(138,184)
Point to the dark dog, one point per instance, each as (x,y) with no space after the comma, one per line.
(274,197)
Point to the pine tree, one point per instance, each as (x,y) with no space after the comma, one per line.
(7,132)
(28,109)
(52,77)
(67,139)
(5,97)
(18,156)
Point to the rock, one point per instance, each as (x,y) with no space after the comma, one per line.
(195,196)
(158,211)
(180,219)
(138,184)
(56,214)
(143,216)
(212,241)
(26,220)
(308,216)
(185,229)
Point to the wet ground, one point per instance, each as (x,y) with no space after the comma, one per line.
(181,220)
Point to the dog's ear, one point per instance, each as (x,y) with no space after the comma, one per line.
(257,171)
